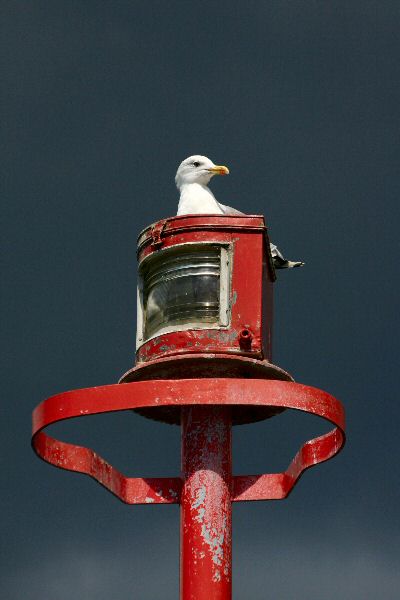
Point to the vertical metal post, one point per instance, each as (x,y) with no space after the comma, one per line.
(206,510)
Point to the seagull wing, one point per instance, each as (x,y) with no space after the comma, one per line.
(282,263)
(228,210)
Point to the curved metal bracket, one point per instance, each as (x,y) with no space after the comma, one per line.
(186,392)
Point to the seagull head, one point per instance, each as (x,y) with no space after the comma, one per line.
(197,169)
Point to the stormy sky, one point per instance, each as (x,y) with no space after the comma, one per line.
(100,102)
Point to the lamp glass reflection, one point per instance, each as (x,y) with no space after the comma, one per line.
(181,285)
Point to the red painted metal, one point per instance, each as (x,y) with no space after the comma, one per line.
(233,392)
(206,508)
(198,366)
(250,294)
(229,380)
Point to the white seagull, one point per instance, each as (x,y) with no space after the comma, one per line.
(192,177)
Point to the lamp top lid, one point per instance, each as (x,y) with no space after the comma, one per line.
(172,225)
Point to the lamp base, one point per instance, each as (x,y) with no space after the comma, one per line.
(195,366)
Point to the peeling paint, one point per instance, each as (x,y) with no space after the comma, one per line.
(206,495)
(216,576)
(201,494)
(200,515)
(173,493)
(215,542)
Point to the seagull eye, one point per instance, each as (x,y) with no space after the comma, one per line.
(196,164)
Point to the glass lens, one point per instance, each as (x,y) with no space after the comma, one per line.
(181,286)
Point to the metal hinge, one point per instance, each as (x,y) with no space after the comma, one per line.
(156,233)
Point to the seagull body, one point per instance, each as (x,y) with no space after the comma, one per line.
(192,177)
(196,198)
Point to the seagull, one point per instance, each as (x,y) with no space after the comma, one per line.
(192,177)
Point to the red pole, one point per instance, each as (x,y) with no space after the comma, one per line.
(206,512)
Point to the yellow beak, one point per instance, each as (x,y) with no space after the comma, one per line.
(219,170)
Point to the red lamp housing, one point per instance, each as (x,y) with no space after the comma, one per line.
(205,285)
(205,305)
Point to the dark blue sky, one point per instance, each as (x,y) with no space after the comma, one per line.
(100,102)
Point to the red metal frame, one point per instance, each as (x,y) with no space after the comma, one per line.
(249,332)
(229,380)
(186,392)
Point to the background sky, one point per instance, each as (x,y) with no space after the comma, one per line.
(101,101)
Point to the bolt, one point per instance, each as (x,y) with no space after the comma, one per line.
(245,339)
